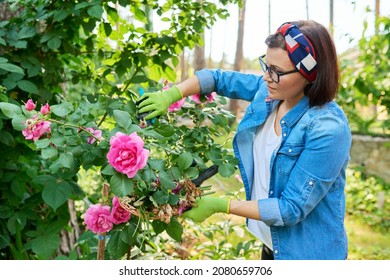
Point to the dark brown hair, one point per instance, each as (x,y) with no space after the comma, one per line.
(325,87)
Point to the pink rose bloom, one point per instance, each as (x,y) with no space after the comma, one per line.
(119,214)
(45,110)
(177,105)
(35,129)
(127,154)
(30,105)
(96,132)
(209,98)
(98,218)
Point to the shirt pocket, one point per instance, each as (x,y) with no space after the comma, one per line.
(287,158)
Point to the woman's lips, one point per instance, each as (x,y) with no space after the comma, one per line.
(270,88)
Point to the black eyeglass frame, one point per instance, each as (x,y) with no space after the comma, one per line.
(266,68)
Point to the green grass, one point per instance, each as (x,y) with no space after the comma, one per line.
(366,243)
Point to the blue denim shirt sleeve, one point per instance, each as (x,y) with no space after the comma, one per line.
(231,84)
(325,154)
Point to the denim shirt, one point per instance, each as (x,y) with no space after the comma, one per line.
(306,205)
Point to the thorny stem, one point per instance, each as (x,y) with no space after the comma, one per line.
(76,126)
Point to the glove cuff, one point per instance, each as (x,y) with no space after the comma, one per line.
(174,94)
(222,205)
(228,206)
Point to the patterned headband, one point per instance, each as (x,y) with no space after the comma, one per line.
(300,50)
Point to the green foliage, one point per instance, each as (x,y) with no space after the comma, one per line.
(368,200)
(87,61)
(365,79)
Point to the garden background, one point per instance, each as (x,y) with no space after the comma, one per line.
(90,60)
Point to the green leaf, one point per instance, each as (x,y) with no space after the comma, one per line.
(26,32)
(121,185)
(129,233)
(122,119)
(175,229)
(161,197)
(18,123)
(56,194)
(139,14)
(54,43)
(169,73)
(66,160)
(62,109)
(7,139)
(157,164)
(192,172)
(16,222)
(43,143)
(159,226)
(95,11)
(28,86)
(10,110)
(60,15)
(107,29)
(11,68)
(45,245)
(226,170)
(155,72)
(5,212)
(173,199)
(166,181)
(152,133)
(45,180)
(165,130)
(108,170)
(185,160)
(49,152)
(116,247)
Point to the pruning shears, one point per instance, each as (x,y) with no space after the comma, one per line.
(207,174)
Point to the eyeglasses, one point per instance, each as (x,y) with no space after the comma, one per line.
(275,75)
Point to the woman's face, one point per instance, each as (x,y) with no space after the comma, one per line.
(290,87)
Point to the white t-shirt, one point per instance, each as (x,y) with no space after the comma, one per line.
(265,143)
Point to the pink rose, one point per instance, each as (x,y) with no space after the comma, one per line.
(45,110)
(30,105)
(176,106)
(119,214)
(96,132)
(35,129)
(98,218)
(209,98)
(127,154)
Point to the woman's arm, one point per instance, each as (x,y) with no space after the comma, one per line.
(247,209)
(190,86)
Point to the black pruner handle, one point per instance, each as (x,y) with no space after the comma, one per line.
(207,174)
(142,116)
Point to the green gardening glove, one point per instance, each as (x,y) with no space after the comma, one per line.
(207,206)
(157,103)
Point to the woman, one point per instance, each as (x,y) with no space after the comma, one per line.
(292,144)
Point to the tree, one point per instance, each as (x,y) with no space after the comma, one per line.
(331,12)
(239,59)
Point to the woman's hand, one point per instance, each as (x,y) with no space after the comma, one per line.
(207,206)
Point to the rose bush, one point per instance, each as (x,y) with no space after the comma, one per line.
(87,62)
(149,167)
